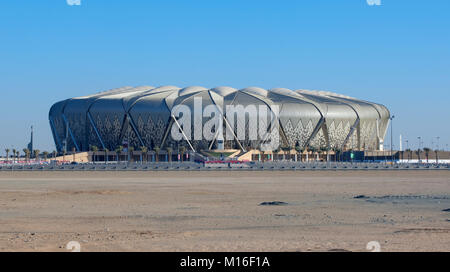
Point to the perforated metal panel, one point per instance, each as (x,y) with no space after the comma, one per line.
(142,116)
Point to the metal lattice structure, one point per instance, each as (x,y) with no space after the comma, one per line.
(142,117)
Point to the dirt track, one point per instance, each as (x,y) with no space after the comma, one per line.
(220,211)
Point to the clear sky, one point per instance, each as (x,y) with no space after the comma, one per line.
(397,54)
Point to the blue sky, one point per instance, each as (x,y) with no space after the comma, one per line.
(397,54)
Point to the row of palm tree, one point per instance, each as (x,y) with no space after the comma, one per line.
(27,154)
(143,153)
(317,153)
(418,152)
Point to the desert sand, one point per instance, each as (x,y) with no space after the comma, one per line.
(221,211)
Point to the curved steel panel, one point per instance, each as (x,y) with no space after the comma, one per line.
(151,116)
(142,115)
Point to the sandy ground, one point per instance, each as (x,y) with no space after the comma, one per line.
(220,211)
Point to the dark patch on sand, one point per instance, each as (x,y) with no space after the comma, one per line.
(423,230)
(274,203)
(407,199)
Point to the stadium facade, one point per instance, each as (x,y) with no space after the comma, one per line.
(143,116)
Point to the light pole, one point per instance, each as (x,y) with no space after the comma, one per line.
(392,137)
(407,148)
(418,149)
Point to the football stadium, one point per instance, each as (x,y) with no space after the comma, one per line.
(144,117)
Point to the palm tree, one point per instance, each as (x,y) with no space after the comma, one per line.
(144,151)
(276,151)
(119,151)
(336,152)
(36,154)
(54,153)
(418,153)
(7,154)
(94,150)
(14,155)
(182,151)
(409,152)
(427,152)
(169,153)
(285,149)
(27,154)
(157,150)
(17,154)
(45,153)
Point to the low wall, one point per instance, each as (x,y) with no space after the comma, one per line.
(78,157)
